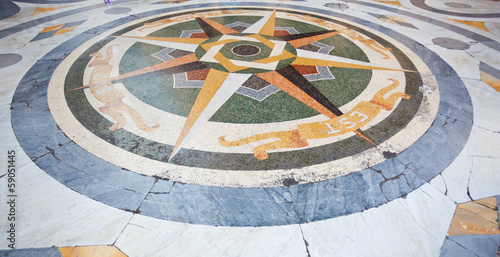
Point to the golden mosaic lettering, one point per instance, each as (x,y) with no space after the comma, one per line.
(351,121)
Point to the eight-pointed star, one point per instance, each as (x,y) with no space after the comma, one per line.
(234,57)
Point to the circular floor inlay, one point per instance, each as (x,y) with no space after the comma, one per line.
(7,60)
(450,43)
(118,119)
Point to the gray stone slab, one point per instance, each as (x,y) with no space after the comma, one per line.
(312,200)
(398,178)
(337,197)
(23,123)
(8,8)
(450,43)
(96,189)
(40,252)
(498,207)
(7,60)
(98,169)
(471,245)
(489,69)
(390,168)
(429,148)
(373,196)
(222,206)
(457,5)
(162,186)
(44,35)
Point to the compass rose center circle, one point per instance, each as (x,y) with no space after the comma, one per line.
(246,53)
(245,50)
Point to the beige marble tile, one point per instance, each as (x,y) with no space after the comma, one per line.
(479,217)
(91,251)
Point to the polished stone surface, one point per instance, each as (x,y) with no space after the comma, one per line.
(229,128)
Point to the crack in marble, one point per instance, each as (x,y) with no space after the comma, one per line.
(446,121)
(50,151)
(99,179)
(162,193)
(486,129)
(305,241)
(136,225)
(445,187)
(455,120)
(123,230)
(426,192)
(468,181)
(401,175)
(137,211)
(485,157)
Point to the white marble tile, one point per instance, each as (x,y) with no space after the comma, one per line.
(454,180)
(483,143)
(411,226)
(49,214)
(146,236)
(462,62)
(439,183)
(484,140)
(486,102)
(484,177)
(494,27)
(27,12)
(488,56)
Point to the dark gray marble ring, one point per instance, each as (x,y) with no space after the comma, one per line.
(56,154)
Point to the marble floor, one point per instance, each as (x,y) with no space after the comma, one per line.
(250,128)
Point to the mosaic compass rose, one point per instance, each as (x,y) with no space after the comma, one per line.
(267,107)
(234,57)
